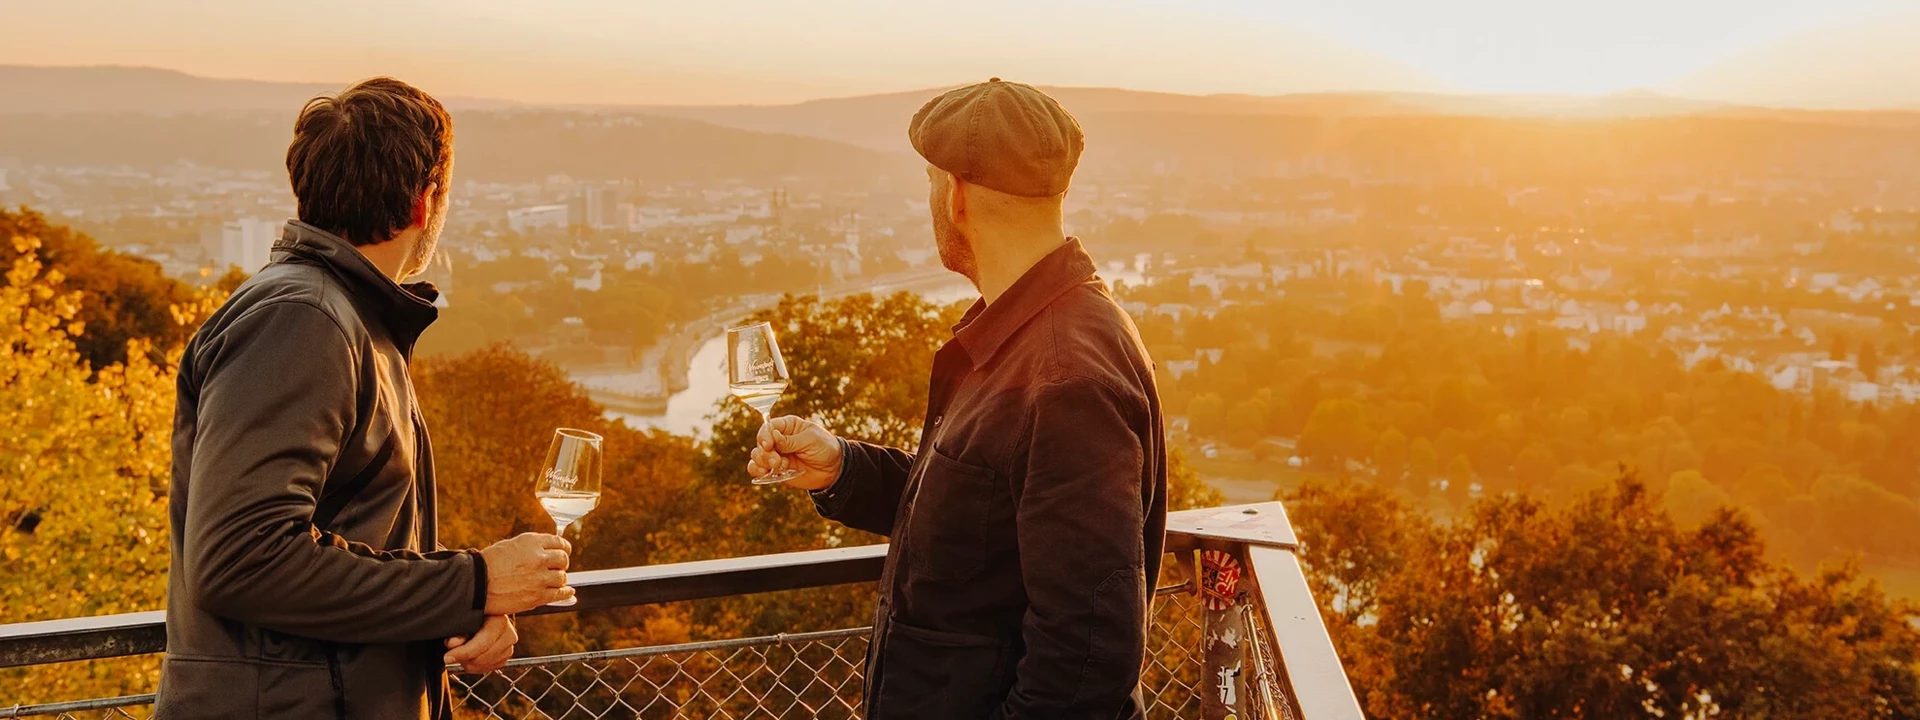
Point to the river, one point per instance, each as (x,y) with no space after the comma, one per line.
(689,412)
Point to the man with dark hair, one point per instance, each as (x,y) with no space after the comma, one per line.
(1026,530)
(306,579)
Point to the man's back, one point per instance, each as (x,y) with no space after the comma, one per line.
(1031,519)
(296,437)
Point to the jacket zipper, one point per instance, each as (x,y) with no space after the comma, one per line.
(339,684)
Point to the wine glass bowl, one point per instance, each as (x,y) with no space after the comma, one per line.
(568,486)
(757,375)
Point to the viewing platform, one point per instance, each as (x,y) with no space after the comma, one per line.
(1237,635)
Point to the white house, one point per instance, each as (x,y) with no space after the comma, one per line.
(526,219)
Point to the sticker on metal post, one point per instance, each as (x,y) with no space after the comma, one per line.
(1219,579)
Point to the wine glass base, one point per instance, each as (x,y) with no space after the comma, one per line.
(775,478)
(569,602)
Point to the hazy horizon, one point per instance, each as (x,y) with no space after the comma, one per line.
(1841,54)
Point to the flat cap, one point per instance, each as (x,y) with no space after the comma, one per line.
(1002,135)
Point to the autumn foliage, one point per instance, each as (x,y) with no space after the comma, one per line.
(1568,589)
(1605,608)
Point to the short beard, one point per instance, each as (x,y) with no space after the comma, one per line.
(955,252)
(423,250)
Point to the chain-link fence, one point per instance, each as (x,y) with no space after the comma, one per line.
(804,675)
(810,675)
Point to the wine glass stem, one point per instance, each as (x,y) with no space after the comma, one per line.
(560,528)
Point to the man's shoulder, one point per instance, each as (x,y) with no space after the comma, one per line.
(1084,333)
(282,289)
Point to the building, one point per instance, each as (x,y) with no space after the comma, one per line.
(246,244)
(538,217)
(597,208)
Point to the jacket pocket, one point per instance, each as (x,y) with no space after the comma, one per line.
(297,691)
(947,532)
(932,674)
(205,688)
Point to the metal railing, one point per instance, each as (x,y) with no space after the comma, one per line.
(1240,637)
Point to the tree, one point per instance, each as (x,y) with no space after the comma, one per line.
(1459,480)
(1246,423)
(1838,351)
(1423,465)
(1207,415)
(1335,433)
(1869,361)
(83,512)
(1693,500)
(1390,457)
(1185,489)
(1533,467)
(1513,611)
(122,298)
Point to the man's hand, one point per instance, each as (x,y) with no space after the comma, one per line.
(525,572)
(801,444)
(488,650)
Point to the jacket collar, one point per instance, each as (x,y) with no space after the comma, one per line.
(985,328)
(405,310)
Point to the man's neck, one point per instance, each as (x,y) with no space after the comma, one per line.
(391,257)
(1001,259)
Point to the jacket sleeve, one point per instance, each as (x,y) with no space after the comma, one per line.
(867,495)
(277,397)
(1080,517)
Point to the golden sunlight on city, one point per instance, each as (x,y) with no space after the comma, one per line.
(1010,359)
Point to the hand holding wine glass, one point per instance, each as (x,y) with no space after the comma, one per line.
(757,374)
(569,485)
(799,446)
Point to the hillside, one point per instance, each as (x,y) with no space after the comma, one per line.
(30,89)
(92,120)
(491,146)
(1153,127)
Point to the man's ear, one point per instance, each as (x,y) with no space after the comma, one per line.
(423,205)
(957,197)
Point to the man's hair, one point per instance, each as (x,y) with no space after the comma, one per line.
(359,160)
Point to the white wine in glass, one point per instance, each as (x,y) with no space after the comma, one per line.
(569,484)
(757,374)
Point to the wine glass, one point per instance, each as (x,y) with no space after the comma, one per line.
(757,374)
(569,484)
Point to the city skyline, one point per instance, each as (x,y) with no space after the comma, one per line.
(1843,54)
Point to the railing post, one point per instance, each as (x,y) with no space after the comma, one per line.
(1234,675)
(1266,653)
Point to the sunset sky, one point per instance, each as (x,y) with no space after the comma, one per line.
(756,51)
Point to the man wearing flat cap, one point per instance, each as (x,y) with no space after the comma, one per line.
(1027,527)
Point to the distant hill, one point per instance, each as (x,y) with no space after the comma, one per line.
(880,121)
(1869,65)
(491,145)
(32,89)
(1408,136)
